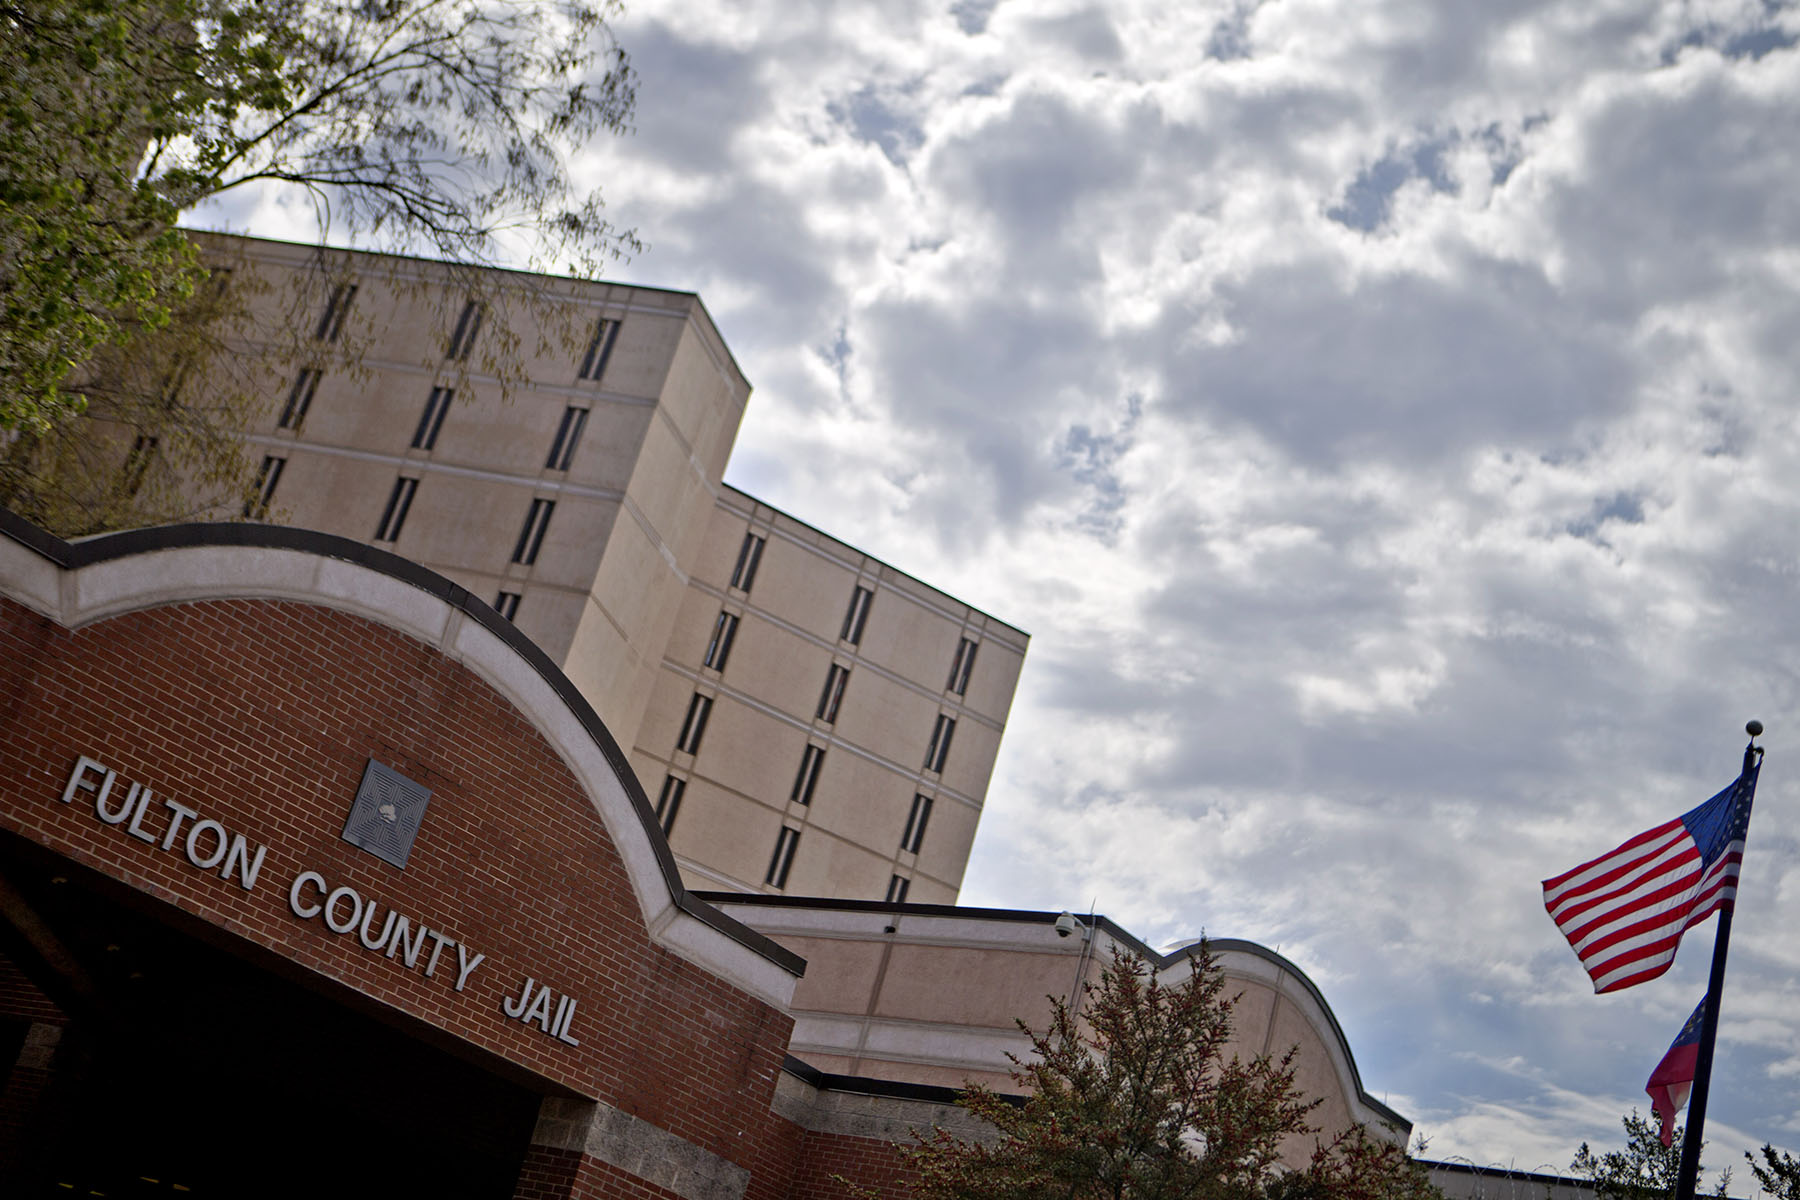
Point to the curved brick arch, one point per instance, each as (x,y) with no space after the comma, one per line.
(76,584)
(234,683)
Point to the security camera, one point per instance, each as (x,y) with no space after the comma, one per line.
(1065,925)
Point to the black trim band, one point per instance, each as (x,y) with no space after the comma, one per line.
(893,1089)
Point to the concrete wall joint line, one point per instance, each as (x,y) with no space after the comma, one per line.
(941,699)
(656,539)
(68,599)
(859,569)
(726,882)
(448,639)
(717,352)
(428,271)
(563,390)
(611,620)
(711,485)
(802,814)
(1274,1012)
(428,467)
(831,740)
(751,515)
(862,1031)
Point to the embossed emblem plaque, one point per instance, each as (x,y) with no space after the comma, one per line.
(385,817)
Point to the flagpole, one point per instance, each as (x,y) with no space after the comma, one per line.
(1709,1025)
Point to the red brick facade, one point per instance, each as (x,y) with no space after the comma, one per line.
(21,998)
(830,1160)
(259,715)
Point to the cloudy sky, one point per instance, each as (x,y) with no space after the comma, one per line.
(1379,412)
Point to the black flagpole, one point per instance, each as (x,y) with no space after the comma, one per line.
(1709,1023)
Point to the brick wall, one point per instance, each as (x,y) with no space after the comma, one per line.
(832,1164)
(260,715)
(562,1174)
(19,997)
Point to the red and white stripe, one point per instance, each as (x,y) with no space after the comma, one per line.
(1624,912)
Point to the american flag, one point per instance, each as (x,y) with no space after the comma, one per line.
(1625,912)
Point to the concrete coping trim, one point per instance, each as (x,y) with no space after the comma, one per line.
(687,925)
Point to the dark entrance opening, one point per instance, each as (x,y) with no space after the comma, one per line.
(188,1071)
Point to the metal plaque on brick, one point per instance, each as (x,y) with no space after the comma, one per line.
(385,818)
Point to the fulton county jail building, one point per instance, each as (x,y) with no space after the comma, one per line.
(806,718)
(320,877)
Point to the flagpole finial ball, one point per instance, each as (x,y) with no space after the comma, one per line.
(1753,728)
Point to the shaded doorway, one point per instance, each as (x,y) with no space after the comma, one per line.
(186,1071)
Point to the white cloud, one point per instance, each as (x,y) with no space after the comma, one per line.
(1383,423)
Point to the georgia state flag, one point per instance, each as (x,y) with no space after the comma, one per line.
(1673,1078)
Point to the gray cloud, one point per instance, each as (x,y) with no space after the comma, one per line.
(1030,176)
(1399,366)
(693,98)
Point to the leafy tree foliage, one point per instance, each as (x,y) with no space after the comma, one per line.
(1138,1097)
(1356,1166)
(442,126)
(1778,1173)
(1644,1170)
(87,245)
(158,438)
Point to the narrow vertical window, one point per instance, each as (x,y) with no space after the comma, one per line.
(568,436)
(719,649)
(467,326)
(939,749)
(531,537)
(833,695)
(856,616)
(960,667)
(507,604)
(749,554)
(593,364)
(669,803)
(336,309)
(432,419)
(782,861)
(267,476)
(137,464)
(293,413)
(173,382)
(694,728)
(897,888)
(808,776)
(916,820)
(394,515)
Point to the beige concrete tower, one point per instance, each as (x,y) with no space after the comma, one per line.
(824,724)
(805,717)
